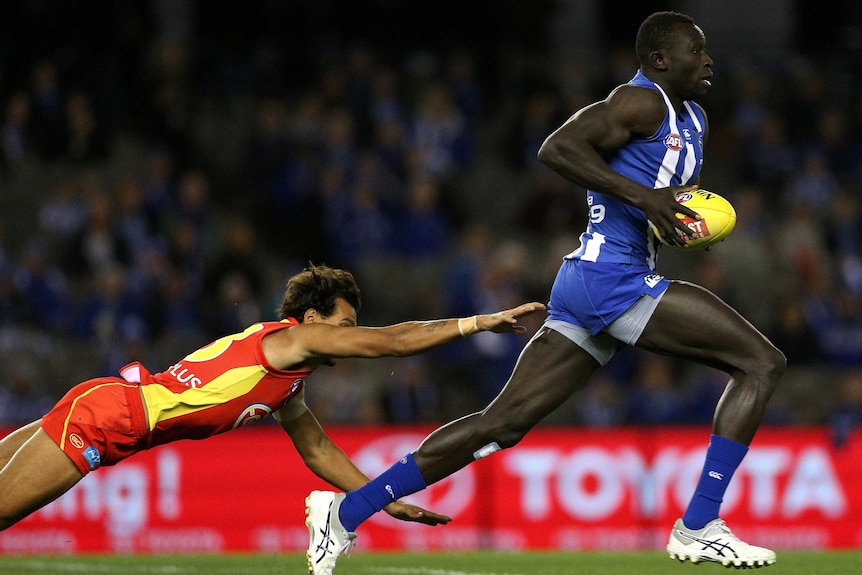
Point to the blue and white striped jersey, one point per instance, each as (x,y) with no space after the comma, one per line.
(618,232)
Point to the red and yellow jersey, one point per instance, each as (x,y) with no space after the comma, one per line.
(222,386)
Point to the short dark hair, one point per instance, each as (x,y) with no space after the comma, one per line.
(318,287)
(656,32)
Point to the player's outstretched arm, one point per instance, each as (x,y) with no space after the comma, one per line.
(330,463)
(308,341)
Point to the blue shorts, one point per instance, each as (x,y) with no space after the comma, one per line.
(592,295)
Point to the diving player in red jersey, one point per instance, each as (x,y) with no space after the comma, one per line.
(235,380)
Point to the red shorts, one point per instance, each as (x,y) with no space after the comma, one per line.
(98,422)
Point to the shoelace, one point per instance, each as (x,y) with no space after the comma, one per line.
(722,526)
(349,545)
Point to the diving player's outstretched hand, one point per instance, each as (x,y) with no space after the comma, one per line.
(507,321)
(408,512)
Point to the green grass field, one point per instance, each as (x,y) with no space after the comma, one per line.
(473,563)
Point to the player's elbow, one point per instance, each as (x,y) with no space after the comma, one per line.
(548,152)
(554,153)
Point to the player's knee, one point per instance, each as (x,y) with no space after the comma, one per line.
(509,434)
(767,368)
(774,364)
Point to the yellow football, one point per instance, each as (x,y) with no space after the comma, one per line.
(718,219)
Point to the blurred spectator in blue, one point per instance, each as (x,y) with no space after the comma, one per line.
(10,305)
(539,115)
(839,333)
(339,149)
(359,223)
(16,134)
(501,281)
(158,186)
(846,416)
(47,96)
(100,243)
(844,237)
(236,307)
(410,394)
(84,138)
(600,403)
(111,313)
(424,229)
(792,332)
(43,290)
(178,315)
(654,398)
(474,247)
(193,205)
(350,395)
(750,106)
(63,212)
(132,222)
(22,400)
(186,251)
(440,143)
(234,280)
(168,81)
(466,87)
(386,103)
(812,185)
(773,157)
(835,141)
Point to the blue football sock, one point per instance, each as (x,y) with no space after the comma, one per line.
(722,458)
(401,479)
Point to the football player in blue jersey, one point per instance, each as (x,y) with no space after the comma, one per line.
(633,152)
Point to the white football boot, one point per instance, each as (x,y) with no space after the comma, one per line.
(716,542)
(327,537)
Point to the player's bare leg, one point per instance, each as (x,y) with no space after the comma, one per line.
(10,444)
(38,473)
(692,323)
(550,369)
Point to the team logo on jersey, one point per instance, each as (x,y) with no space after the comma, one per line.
(76,441)
(673,142)
(653,280)
(252,413)
(295,386)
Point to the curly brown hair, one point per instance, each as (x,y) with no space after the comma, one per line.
(318,287)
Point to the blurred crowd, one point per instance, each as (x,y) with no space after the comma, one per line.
(156,196)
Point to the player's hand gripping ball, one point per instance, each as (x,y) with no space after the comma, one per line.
(718,219)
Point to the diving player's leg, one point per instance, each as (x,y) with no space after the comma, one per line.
(38,473)
(10,444)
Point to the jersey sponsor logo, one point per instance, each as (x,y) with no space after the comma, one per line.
(252,413)
(185,376)
(93,457)
(76,440)
(716,475)
(673,142)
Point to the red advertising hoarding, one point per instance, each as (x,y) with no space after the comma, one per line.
(561,488)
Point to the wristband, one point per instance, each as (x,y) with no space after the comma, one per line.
(475,326)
